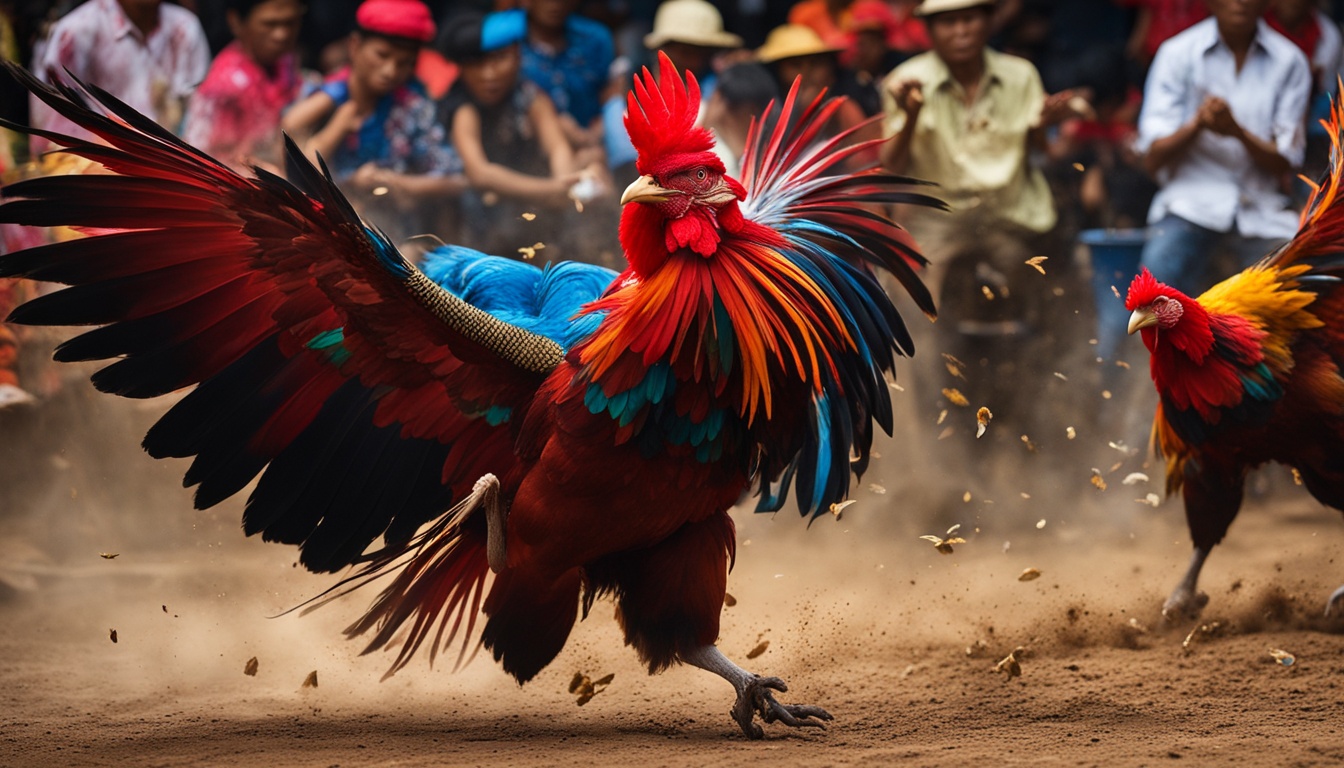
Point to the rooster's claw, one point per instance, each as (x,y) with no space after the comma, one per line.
(756,698)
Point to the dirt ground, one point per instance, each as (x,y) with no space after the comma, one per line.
(899,642)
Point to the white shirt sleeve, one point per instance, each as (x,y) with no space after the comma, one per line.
(1290,112)
(1166,98)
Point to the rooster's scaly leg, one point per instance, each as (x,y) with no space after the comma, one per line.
(1335,605)
(755,695)
(495,517)
(1186,600)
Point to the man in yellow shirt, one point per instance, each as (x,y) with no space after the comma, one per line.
(968,118)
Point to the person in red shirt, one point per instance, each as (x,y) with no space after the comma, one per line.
(1159,20)
(235,114)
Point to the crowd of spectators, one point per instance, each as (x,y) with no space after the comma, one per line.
(498,124)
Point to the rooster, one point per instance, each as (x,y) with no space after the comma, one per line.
(525,441)
(1250,372)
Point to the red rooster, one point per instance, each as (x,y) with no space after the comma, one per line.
(1249,373)
(524,440)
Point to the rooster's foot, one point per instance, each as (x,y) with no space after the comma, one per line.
(1184,605)
(1335,605)
(755,695)
(1186,600)
(757,698)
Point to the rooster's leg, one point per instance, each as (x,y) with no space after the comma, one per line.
(487,491)
(1335,605)
(754,694)
(1186,600)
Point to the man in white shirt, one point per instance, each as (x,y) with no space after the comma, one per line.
(1222,126)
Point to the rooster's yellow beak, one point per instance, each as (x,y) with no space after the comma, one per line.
(646,190)
(1142,318)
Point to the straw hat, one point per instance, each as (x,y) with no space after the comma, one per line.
(694,22)
(931,7)
(792,40)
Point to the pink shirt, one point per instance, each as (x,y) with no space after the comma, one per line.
(235,114)
(153,73)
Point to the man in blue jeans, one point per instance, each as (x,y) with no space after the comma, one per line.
(1221,129)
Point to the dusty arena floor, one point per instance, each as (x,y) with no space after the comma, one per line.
(898,641)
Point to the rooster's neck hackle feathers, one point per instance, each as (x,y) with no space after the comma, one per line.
(661,116)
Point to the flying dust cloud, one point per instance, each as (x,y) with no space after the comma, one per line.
(193,601)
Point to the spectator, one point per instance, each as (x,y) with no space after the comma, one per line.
(968,118)
(691,33)
(837,22)
(375,128)
(906,34)
(873,57)
(830,19)
(513,148)
(1318,37)
(1159,21)
(568,57)
(148,53)
(795,52)
(744,92)
(235,114)
(1314,33)
(1221,126)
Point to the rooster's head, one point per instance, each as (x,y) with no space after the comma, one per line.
(1160,311)
(683,198)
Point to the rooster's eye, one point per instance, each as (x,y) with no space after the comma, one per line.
(700,175)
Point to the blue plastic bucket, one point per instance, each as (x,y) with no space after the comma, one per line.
(1115,260)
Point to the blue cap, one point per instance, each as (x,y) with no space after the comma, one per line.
(502,29)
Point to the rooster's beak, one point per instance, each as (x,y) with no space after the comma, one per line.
(1142,318)
(646,190)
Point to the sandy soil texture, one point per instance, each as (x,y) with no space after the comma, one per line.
(858,614)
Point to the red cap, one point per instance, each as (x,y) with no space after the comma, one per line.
(871,15)
(410,19)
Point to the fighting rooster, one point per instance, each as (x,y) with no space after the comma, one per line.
(1248,373)
(524,440)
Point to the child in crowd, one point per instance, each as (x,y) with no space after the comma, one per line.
(514,151)
(235,114)
(569,57)
(376,129)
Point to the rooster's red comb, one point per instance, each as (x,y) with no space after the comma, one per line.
(1142,290)
(660,116)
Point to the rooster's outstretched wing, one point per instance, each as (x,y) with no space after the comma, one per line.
(367,393)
